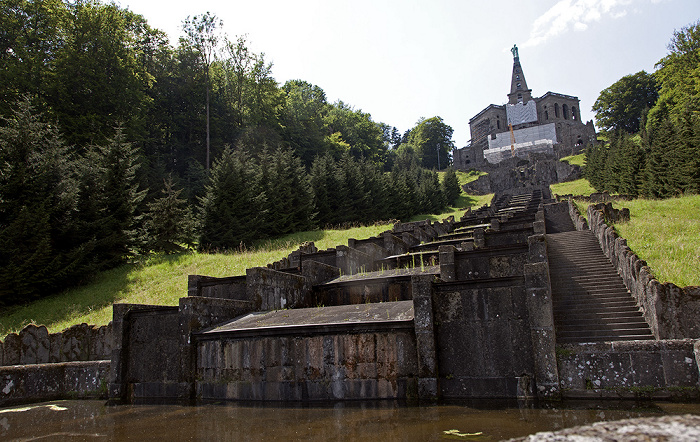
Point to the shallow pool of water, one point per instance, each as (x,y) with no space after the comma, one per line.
(383,421)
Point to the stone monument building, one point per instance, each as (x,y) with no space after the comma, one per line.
(548,124)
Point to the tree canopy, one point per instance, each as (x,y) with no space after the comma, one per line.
(623,105)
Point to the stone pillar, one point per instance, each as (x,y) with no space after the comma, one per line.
(495,224)
(193,285)
(447,263)
(539,216)
(422,288)
(410,239)
(479,239)
(538,228)
(541,319)
(117,368)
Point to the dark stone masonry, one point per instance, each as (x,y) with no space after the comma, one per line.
(462,309)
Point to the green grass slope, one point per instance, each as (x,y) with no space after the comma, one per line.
(664,233)
(160,280)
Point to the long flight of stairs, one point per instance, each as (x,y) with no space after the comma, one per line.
(591,303)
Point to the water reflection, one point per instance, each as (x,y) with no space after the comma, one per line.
(386,421)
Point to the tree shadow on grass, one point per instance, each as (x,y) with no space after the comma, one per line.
(103,290)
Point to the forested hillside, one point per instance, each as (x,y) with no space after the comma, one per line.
(115,143)
(652,125)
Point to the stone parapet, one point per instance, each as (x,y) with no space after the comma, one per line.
(630,369)
(35,345)
(670,311)
(45,382)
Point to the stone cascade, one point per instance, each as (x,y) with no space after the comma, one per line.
(591,303)
(392,316)
(489,306)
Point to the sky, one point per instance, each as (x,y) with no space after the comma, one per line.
(400,60)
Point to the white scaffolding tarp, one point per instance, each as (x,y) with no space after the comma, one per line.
(528,135)
(520,113)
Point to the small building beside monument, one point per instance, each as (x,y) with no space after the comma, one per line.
(549,124)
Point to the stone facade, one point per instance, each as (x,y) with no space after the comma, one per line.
(563,111)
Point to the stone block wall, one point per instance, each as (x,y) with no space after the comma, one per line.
(273,290)
(223,288)
(654,369)
(375,290)
(35,345)
(328,366)
(45,382)
(483,342)
(485,264)
(670,311)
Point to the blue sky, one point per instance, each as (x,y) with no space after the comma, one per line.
(400,60)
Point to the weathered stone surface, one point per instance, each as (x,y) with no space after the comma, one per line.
(35,344)
(318,273)
(12,349)
(319,367)
(270,289)
(537,248)
(630,369)
(352,261)
(394,244)
(55,342)
(671,428)
(447,263)
(43,382)
(75,343)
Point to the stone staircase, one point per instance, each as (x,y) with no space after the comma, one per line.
(591,303)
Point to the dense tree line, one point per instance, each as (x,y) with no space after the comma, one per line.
(653,127)
(272,194)
(114,143)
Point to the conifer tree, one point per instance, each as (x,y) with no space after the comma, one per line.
(232,207)
(169,223)
(37,193)
(324,187)
(450,186)
(119,197)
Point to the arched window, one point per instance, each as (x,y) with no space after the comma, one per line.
(546,115)
(556,110)
(498,122)
(573,113)
(565,111)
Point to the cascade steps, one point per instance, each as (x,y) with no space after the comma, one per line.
(590,300)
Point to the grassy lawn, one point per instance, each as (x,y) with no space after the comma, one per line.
(160,280)
(664,233)
(575,160)
(576,187)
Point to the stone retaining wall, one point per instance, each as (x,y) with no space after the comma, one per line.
(327,366)
(623,369)
(670,311)
(35,345)
(45,382)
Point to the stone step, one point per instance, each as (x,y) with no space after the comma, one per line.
(626,332)
(594,339)
(584,279)
(598,325)
(593,298)
(565,312)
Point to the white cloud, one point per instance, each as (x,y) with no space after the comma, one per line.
(574,14)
